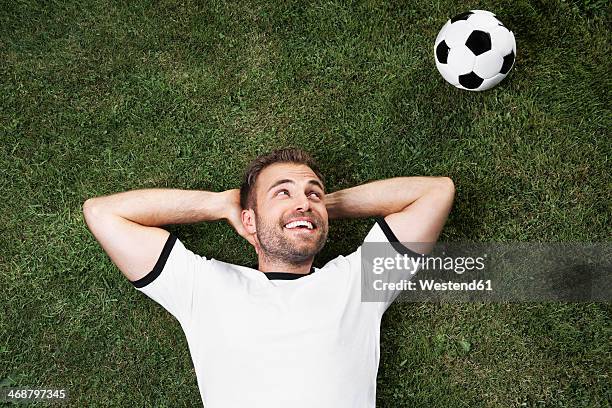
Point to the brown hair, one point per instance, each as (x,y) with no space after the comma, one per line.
(286,155)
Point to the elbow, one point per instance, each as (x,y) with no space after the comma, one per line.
(90,207)
(449,184)
(87,205)
(446,185)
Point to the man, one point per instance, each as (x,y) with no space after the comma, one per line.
(285,334)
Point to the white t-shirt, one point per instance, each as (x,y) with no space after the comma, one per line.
(257,341)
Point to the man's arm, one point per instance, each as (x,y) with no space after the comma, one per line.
(415,208)
(126,224)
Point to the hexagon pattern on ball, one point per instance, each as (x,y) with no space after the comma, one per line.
(474,50)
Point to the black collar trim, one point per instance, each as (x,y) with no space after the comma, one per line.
(286,275)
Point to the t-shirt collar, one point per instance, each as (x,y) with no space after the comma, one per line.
(285,275)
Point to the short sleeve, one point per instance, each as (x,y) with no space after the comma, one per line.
(381,233)
(172,282)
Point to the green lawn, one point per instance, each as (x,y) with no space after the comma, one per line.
(100,97)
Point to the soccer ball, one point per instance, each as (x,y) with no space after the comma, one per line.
(474,50)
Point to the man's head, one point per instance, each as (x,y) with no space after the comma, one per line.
(280,188)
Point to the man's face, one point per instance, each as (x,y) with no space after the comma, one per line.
(286,193)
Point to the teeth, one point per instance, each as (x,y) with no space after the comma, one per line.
(295,224)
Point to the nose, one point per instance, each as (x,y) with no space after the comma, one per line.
(303,204)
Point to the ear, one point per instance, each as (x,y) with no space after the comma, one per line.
(248,220)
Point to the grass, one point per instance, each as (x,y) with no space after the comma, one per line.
(101,97)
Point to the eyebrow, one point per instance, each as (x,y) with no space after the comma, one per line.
(283,181)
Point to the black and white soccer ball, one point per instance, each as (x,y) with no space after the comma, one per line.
(474,50)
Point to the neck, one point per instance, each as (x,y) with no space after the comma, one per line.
(279,265)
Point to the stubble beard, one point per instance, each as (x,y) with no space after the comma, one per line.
(276,245)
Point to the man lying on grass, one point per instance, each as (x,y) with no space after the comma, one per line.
(285,334)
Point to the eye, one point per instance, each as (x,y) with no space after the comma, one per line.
(282,191)
(315,193)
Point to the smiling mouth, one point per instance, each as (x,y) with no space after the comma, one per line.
(300,226)
(301,230)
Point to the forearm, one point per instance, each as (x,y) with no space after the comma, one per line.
(157,207)
(381,197)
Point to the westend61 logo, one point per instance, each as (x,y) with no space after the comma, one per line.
(456,264)
(504,272)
